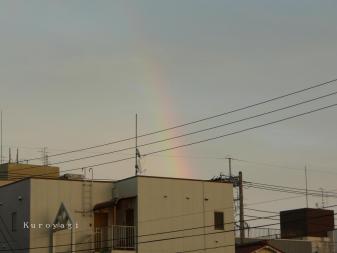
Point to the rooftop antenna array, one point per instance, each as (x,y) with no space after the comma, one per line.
(44,157)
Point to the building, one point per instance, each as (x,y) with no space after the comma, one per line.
(304,230)
(306,222)
(10,172)
(138,214)
(257,247)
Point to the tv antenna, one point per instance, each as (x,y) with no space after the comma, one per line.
(138,166)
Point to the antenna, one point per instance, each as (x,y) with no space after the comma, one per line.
(322,196)
(306,185)
(9,155)
(44,157)
(230,166)
(138,167)
(136,151)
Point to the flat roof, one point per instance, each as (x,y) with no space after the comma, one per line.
(174,178)
(111,181)
(55,179)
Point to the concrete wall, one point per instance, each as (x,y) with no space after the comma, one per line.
(10,202)
(125,188)
(46,198)
(166,204)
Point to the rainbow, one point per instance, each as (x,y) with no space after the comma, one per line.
(156,88)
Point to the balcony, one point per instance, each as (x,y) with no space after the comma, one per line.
(115,238)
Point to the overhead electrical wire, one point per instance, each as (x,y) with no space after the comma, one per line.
(192,122)
(202,130)
(293,190)
(204,140)
(186,134)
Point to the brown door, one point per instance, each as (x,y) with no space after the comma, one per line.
(101,231)
(100,220)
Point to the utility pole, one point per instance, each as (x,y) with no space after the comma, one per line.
(242,216)
(237,183)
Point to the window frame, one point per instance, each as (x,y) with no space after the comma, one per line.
(14,218)
(219,220)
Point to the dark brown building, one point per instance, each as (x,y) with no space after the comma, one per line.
(306,222)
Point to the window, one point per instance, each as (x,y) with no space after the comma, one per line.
(218,221)
(14,221)
(129,217)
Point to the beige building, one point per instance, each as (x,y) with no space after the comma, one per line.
(138,214)
(10,172)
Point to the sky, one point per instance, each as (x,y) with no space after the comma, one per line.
(74,73)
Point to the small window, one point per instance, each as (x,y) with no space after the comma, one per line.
(14,221)
(218,221)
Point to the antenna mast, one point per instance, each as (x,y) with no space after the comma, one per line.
(306,185)
(44,157)
(136,151)
(1,137)
(230,166)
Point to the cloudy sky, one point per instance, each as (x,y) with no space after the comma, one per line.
(74,73)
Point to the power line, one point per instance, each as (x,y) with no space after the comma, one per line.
(281,186)
(273,200)
(289,189)
(280,166)
(188,134)
(193,122)
(263,211)
(205,140)
(200,131)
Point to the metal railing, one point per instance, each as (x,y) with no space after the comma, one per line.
(260,233)
(115,237)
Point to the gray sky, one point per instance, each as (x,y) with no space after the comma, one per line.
(74,73)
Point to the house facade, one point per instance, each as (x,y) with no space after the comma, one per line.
(136,214)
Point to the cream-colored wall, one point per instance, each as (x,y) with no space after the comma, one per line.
(46,198)
(174,204)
